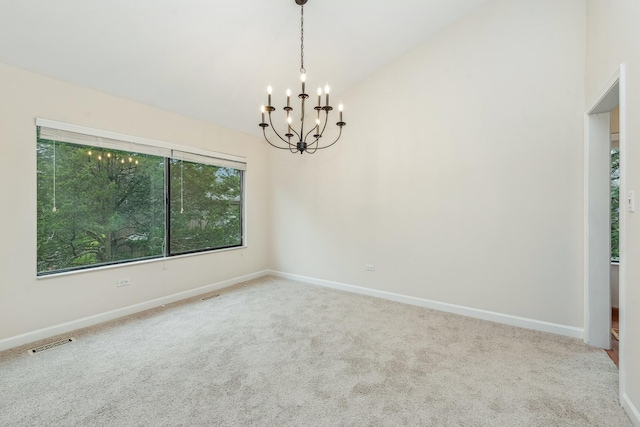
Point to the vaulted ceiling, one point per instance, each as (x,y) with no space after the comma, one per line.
(212,60)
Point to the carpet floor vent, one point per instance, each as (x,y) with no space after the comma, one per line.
(209,297)
(51,345)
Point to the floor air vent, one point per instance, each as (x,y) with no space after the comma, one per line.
(51,345)
(209,297)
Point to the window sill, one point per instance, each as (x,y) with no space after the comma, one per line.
(140,262)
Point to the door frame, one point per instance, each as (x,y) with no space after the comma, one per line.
(597,303)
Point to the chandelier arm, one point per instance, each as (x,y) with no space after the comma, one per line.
(315,141)
(273,145)
(276,132)
(327,146)
(314,148)
(308,133)
(296,133)
(326,120)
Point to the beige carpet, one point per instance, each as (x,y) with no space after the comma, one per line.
(280,353)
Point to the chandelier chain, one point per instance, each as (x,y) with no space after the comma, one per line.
(302,70)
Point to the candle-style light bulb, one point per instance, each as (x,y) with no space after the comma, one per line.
(269,90)
(288,98)
(262,110)
(340,107)
(326,90)
(319,95)
(303,78)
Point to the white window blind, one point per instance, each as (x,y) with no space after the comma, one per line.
(97,141)
(208,160)
(63,132)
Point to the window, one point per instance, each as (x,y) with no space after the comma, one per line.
(103,201)
(97,206)
(615,204)
(206,209)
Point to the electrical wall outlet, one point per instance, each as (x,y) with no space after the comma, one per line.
(369,267)
(123,282)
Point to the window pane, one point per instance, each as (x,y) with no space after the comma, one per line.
(97,206)
(205,207)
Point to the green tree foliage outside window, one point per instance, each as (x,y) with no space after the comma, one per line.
(98,207)
(615,205)
(205,207)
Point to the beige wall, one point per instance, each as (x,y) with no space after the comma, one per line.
(28,304)
(460,175)
(612,39)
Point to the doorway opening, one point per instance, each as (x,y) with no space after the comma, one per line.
(605,219)
(614,277)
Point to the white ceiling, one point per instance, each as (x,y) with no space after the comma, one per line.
(212,60)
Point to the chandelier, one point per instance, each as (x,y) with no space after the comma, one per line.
(315,132)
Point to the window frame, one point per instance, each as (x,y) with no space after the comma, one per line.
(209,158)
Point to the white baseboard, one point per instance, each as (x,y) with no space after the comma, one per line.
(63,328)
(631,410)
(51,331)
(507,319)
